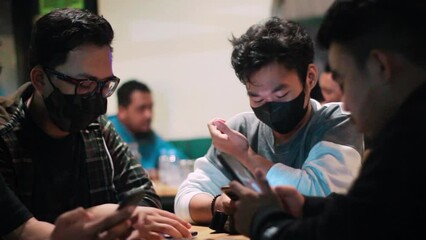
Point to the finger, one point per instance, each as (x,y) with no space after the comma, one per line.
(286,192)
(238,189)
(174,217)
(262,182)
(137,235)
(162,225)
(215,121)
(225,198)
(218,121)
(214,132)
(181,228)
(161,216)
(222,127)
(112,220)
(227,207)
(121,230)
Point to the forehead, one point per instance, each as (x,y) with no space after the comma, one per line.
(340,57)
(138,98)
(89,59)
(271,75)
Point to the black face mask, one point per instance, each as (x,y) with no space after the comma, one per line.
(72,113)
(282,116)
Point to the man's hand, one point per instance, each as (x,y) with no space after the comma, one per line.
(152,223)
(249,202)
(82,225)
(228,140)
(223,204)
(291,200)
(236,144)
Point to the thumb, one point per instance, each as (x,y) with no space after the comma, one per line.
(262,182)
(285,191)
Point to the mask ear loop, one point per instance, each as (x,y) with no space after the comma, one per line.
(76,99)
(50,80)
(54,87)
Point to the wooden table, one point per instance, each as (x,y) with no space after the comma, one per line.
(164,190)
(207,233)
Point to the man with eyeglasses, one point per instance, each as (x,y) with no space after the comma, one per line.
(57,150)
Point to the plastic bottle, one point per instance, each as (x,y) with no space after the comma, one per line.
(169,169)
(173,174)
(163,166)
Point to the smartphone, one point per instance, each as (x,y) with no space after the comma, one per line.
(167,236)
(227,190)
(133,197)
(239,172)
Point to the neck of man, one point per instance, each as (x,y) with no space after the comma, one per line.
(41,118)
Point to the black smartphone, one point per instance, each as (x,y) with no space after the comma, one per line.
(239,172)
(167,236)
(227,190)
(133,197)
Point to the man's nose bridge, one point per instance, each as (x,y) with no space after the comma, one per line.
(269,98)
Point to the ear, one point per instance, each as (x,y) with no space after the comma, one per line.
(38,78)
(381,64)
(311,76)
(122,113)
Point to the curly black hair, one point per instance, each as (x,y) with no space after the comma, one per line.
(275,39)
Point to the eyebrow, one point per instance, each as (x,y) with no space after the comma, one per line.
(279,87)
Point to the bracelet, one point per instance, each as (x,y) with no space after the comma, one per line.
(213,203)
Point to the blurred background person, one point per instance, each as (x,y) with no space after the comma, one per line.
(133,123)
(330,89)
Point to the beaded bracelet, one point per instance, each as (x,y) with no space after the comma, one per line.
(213,203)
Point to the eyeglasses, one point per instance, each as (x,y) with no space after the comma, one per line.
(89,86)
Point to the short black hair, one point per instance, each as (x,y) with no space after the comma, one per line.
(327,67)
(58,32)
(275,39)
(126,89)
(363,25)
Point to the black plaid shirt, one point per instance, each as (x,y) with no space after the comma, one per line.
(112,169)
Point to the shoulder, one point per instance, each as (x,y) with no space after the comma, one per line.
(331,123)
(12,104)
(329,110)
(328,115)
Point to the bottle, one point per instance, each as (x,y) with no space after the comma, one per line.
(169,170)
(163,166)
(173,174)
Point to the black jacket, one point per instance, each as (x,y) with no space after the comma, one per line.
(386,201)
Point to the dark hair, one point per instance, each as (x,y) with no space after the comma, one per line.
(127,88)
(57,33)
(274,40)
(363,25)
(327,67)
